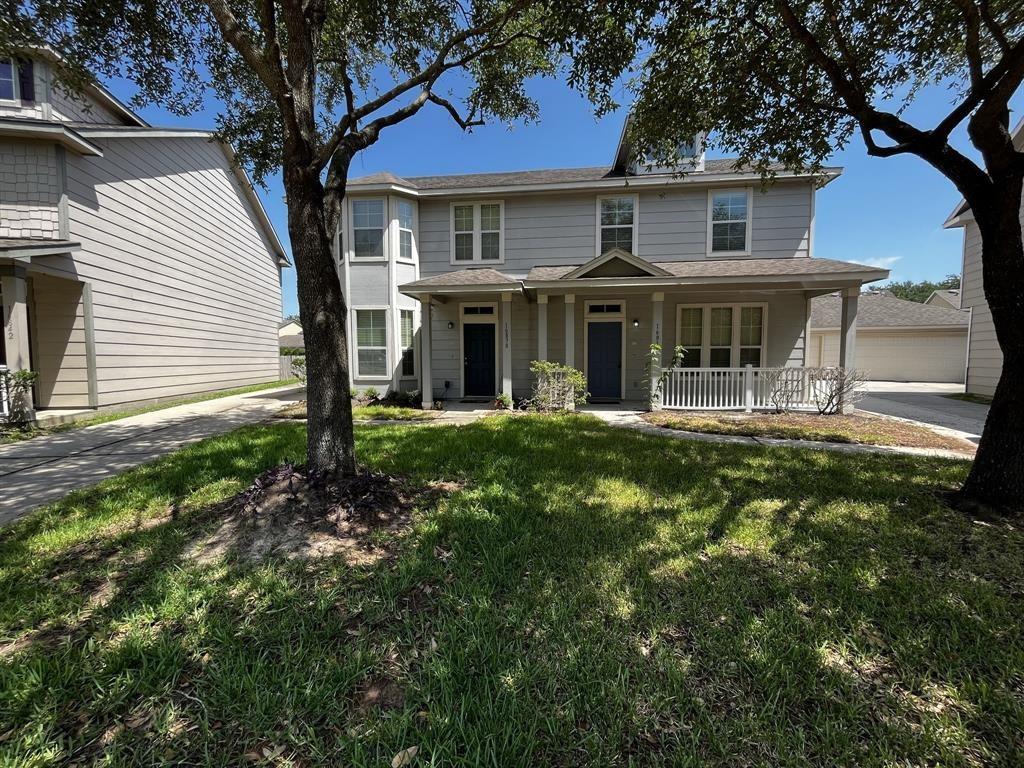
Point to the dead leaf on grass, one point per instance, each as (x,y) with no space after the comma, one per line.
(405,757)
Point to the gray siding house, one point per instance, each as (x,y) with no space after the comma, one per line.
(136,263)
(456,283)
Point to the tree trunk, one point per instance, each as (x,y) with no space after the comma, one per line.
(997,476)
(330,447)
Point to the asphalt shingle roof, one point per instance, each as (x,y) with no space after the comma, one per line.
(728,268)
(481,276)
(880,311)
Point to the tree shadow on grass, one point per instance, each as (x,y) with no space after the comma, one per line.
(591,596)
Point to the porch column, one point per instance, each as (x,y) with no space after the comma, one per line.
(848,335)
(14,290)
(570,330)
(657,317)
(542,326)
(426,385)
(506,344)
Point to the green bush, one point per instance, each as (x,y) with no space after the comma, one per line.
(557,387)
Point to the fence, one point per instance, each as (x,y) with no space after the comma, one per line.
(732,389)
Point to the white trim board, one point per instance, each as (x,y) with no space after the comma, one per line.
(479,320)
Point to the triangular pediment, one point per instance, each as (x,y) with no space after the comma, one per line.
(616,263)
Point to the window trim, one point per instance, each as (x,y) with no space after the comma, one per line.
(355,342)
(384,231)
(737,314)
(413,231)
(477,232)
(15,82)
(636,222)
(609,315)
(401,349)
(748,245)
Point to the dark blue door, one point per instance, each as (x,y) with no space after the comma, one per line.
(604,360)
(478,347)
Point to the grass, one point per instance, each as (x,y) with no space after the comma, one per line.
(869,430)
(633,600)
(13,434)
(380,412)
(970,397)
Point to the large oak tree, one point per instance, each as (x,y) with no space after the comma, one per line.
(305,86)
(793,80)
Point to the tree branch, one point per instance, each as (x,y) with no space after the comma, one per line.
(239,39)
(993,26)
(972,41)
(464,124)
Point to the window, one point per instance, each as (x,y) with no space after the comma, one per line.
(371,343)
(691,335)
(751,333)
(8,80)
(476,233)
(406,318)
(478,310)
(728,231)
(615,224)
(404,212)
(604,309)
(368,229)
(716,336)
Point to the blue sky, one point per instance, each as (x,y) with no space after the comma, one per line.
(887,212)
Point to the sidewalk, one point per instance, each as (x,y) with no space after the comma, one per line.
(37,471)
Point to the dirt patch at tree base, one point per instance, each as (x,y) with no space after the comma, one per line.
(290,513)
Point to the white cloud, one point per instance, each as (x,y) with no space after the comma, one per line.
(882,262)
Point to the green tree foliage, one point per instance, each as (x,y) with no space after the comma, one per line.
(782,84)
(918,291)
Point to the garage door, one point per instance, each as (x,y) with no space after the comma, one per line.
(899,356)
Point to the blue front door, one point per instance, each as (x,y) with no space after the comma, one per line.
(478,348)
(604,360)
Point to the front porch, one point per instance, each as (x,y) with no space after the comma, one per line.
(481,328)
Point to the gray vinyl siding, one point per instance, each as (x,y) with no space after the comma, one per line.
(186,290)
(672,226)
(985,358)
(79,109)
(29,189)
(59,342)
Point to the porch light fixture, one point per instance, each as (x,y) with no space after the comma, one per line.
(636,323)
(451,325)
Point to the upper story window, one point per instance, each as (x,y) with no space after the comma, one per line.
(729,222)
(368,229)
(404,214)
(616,224)
(8,80)
(477,236)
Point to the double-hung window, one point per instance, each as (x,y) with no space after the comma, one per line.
(8,80)
(368,229)
(721,336)
(720,343)
(691,335)
(751,335)
(407,320)
(616,224)
(477,233)
(371,343)
(404,214)
(729,222)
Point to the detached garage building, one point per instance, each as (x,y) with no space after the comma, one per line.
(897,340)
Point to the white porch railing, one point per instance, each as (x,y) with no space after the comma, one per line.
(737,389)
(5,406)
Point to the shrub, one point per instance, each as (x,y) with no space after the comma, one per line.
(17,385)
(833,387)
(557,387)
(654,363)
(299,369)
(288,351)
(503,402)
(371,394)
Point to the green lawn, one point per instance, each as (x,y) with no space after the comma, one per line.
(13,434)
(375,412)
(588,596)
(970,397)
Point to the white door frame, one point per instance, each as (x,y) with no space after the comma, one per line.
(477,320)
(620,318)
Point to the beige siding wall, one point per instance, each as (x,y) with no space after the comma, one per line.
(29,189)
(899,355)
(985,362)
(59,342)
(186,290)
(79,109)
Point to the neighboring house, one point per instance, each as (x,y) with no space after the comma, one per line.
(897,340)
(985,358)
(456,283)
(948,298)
(289,335)
(136,263)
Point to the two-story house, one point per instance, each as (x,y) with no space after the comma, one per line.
(136,263)
(456,283)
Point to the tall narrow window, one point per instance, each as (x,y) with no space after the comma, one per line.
(8,80)
(616,223)
(371,342)
(476,233)
(720,348)
(368,229)
(691,335)
(408,352)
(729,222)
(751,335)
(405,222)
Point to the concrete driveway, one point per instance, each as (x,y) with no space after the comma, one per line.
(37,471)
(927,403)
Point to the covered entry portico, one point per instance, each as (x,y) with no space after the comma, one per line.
(729,316)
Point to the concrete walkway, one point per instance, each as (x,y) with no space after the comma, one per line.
(41,470)
(926,404)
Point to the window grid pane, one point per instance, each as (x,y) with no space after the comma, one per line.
(463,218)
(691,327)
(405,244)
(617,211)
(368,243)
(373,362)
(729,221)
(616,237)
(404,214)
(490,218)
(463,246)
(721,326)
(408,353)
(751,356)
(692,357)
(371,327)
(751,326)
(7,78)
(720,357)
(368,214)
